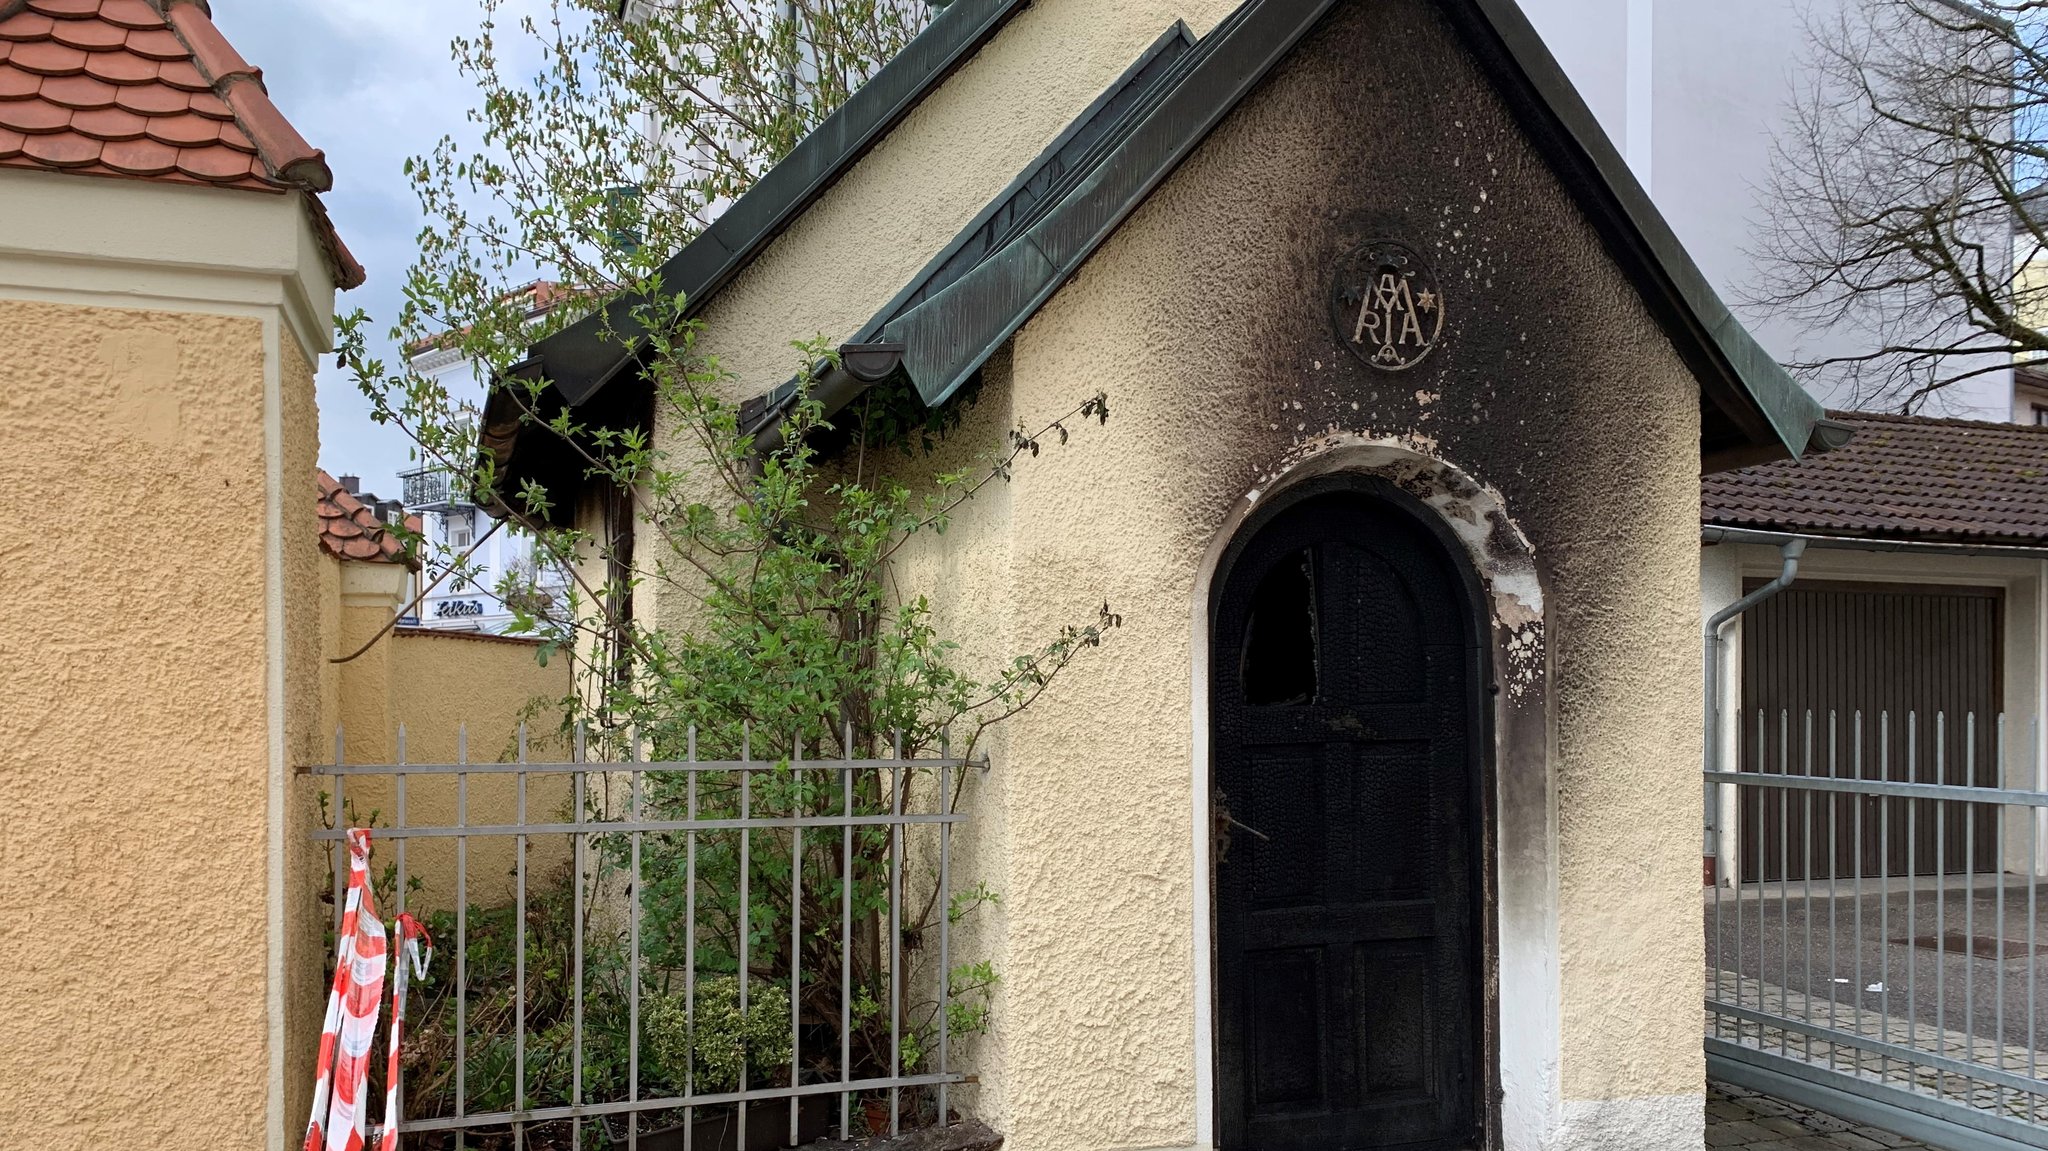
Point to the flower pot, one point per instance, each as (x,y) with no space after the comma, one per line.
(876,1112)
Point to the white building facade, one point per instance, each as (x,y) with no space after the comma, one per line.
(463,594)
(1694,94)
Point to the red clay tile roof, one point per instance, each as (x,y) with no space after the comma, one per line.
(351,531)
(538,297)
(1901,478)
(149,89)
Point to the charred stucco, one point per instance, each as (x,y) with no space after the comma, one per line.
(1561,403)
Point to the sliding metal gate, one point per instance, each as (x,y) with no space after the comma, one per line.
(1903,992)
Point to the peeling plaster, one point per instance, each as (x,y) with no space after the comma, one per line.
(1474,511)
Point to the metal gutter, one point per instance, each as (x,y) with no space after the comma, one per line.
(1716,654)
(1714,534)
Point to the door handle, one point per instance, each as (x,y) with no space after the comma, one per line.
(1221,821)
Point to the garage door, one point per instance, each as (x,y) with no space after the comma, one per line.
(1886,651)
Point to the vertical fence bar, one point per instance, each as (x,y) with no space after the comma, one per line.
(690,941)
(796,928)
(579,852)
(2034,885)
(1784,804)
(896,936)
(1856,989)
(1884,882)
(746,897)
(1912,881)
(846,936)
(1969,885)
(945,906)
(1834,874)
(1806,869)
(1741,961)
(461,931)
(1998,873)
(519,954)
(398,897)
(638,803)
(1940,890)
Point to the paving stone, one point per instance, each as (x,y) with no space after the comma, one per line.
(1885,1138)
(1764,1105)
(1739,1133)
(1819,1122)
(1755,1122)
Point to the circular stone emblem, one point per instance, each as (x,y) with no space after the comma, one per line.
(1386,306)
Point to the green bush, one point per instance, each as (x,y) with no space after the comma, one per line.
(727,1039)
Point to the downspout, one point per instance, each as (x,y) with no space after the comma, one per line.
(1716,651)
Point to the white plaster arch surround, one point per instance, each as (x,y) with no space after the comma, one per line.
(1521,887)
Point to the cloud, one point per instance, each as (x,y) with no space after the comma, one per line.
(370,83)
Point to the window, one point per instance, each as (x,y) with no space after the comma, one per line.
(2041,414)
(1279,661)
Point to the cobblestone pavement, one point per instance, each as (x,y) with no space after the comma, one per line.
(1922,1042)
(1737,1117)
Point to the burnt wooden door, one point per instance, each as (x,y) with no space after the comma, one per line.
(1344,685)
(1915,661)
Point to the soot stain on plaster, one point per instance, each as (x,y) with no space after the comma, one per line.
(1381,125)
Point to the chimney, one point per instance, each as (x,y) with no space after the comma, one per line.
(353,485)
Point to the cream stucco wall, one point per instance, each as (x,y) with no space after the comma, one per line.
(1204,320)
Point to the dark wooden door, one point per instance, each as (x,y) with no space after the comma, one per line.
(1915,662)
(1347,927)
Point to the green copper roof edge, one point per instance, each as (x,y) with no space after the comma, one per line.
(1172,129)
(587,355)
(1776,405)
(1177,31)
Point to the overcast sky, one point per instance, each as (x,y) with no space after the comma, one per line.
(370,83)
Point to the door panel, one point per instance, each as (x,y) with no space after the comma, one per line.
(1345,680)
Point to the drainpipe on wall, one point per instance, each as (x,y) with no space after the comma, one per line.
(1717,650)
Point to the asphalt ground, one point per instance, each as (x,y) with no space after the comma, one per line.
(1855,949)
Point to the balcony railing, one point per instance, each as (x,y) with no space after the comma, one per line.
(431,489)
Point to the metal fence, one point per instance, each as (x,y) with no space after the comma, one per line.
(617,936)
(1874,939)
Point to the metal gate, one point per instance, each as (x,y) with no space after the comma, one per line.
(1906,997)
(652,944)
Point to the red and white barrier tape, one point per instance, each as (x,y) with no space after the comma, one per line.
(347,1036)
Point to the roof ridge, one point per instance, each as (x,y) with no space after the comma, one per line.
(290,158)
(1938,421)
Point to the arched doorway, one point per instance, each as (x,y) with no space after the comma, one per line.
(1346,799)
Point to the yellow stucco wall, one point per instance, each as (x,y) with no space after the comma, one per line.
(433,685)
(302,917)
(134,872)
